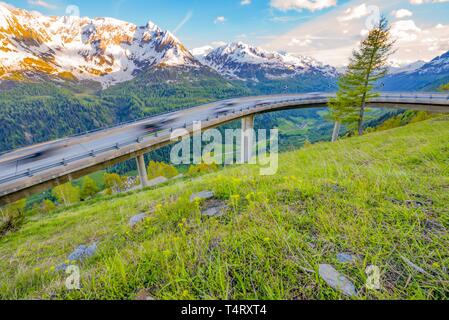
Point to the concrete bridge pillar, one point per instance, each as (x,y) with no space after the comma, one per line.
(142,171)
(247,138)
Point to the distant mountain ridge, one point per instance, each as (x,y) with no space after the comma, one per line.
(241,61)
(106,50)
(410,67)
(429,76)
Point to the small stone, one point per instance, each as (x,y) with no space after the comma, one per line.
(157,181)
(144,295)
(82,252)
(345,257)
(61,267)
(215,211)
(336,280)
(203,195)
(137,219)
(179,176)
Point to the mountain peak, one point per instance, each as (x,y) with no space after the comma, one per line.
(102,49)
(151,26)
(239,60)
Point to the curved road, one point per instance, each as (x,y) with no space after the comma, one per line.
(36,168)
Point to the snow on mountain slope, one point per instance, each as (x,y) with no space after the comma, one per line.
(202,51)
(439,65)
(395,69)
(427,77)
(101,49)
(244,62)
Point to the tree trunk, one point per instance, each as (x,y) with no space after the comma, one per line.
(336,132)
(360,123)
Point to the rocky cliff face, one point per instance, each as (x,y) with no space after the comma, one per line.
(106,50)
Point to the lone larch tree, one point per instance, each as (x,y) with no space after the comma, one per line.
(368,64)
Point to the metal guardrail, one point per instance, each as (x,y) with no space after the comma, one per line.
(116,146)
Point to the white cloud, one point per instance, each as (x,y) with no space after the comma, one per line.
(43,4)
(355,13)
(217,44)
(245,2)
(402,13)
(220,19)
(285,19)
(405,30)
(333,40)
(300,43)
(311,5)
(427,1)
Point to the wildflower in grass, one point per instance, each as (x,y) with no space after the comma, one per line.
(260,195)
(267,239)
(235,198)
(250,196)
(236,180)
(67,262)
(52,268)
(158,207)
(37,269)
(167,253)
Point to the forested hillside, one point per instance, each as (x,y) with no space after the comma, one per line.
(37,112)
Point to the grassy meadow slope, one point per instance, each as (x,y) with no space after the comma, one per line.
(383,197)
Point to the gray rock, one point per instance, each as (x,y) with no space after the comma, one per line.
(144,295)
(344,257)
(157,181)
(203,195)
(61,267)
(137,219)
(82,252)
(179,176)
(215,211)
(336,280)
(79,254)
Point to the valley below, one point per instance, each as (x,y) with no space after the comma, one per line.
(380,200)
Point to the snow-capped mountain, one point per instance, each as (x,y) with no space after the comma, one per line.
(409,67)
(426,77)
(101,49)
(439,65)
(201,52)
(241,61)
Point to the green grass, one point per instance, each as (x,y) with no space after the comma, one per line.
(325,199)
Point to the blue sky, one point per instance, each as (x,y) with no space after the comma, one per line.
(324,29)
(256,17)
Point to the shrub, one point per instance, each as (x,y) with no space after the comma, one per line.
(113,182)
(12,216)
(89,188)
(161,169)
(47,206)
(66,194)
(444,87)
(202,168)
